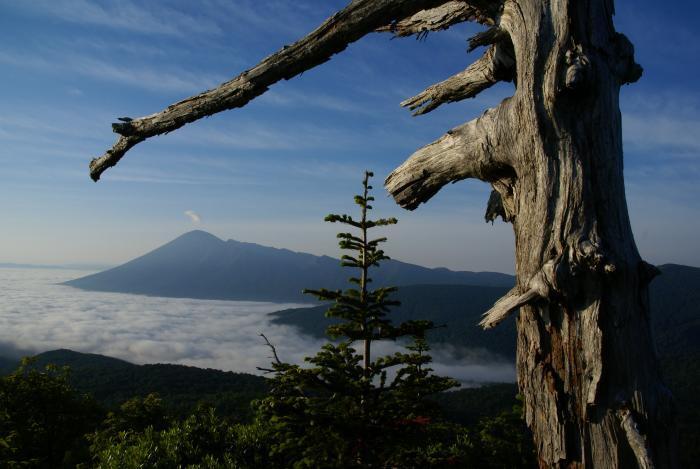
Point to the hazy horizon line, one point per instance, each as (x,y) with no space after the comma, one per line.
(102,266)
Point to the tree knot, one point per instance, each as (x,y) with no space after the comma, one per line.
(588,252)
(578,68)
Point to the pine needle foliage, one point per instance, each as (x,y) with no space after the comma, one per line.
(345,408)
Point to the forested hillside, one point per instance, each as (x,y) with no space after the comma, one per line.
(674,297)
(193,420)
(112,381)
(456,307)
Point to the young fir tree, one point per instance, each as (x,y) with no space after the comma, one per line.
(344,410)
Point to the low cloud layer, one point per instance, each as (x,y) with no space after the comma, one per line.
(37,314)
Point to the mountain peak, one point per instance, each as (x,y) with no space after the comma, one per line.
(198,235)
(200,265)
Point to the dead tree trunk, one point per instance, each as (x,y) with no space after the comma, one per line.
(553,154)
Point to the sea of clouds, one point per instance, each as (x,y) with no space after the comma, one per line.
(38,314)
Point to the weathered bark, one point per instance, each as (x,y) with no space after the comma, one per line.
(586,364)
(442,17)
(476,149)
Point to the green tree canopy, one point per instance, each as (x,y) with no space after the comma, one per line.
(43,420)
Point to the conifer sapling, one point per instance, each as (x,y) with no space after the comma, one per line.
(343,409)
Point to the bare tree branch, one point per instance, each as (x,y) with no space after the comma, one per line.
(497,64)
(505,306)
(359,18)
(541,285)
(442,17)
(272,347)
(472,150)
(636,440)
(491,36)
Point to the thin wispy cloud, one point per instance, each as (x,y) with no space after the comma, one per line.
(125,14)
(238,133)
(193,216)
(146,77)
(300,99)
(157,79)
(662,132)
(49,122)
(262,135)
(278,16)
(131,48)
(154,176)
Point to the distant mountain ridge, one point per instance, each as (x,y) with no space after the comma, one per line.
(458,307)
(200,265)
(674,302)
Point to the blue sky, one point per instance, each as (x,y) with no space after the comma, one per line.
(269,172)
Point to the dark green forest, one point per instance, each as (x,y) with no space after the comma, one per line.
(223,403)
(214,424)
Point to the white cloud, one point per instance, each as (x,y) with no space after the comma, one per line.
(276,16)
(665,123)
(302,100)
(141,76)
(651,131)
(126,15)
(36,315)
(262,135)
(193,216)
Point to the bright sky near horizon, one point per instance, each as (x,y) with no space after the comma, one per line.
(269,172)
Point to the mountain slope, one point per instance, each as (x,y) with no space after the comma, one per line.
(7,365)
(459,307)
(112,381)
(200,265)
(675,305)
(674,298)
